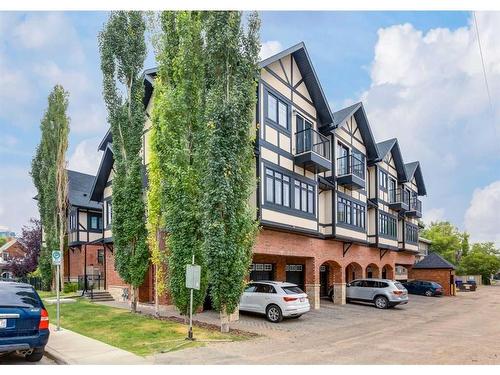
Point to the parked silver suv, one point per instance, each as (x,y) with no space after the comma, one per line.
(383,293)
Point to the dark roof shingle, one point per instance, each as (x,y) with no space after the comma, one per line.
(79,186)
(433,261)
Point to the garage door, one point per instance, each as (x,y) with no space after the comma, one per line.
(261,271)
(295,274)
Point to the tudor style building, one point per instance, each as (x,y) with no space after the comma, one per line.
(333,203)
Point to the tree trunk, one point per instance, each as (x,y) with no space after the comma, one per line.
(133,299)
(157,303)
(224,320)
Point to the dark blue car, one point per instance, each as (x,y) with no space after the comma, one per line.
(424,287)
(24,322)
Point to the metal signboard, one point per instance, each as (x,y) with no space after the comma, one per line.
(193,273)
(56,257)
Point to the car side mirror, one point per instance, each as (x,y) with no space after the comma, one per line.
(348,285)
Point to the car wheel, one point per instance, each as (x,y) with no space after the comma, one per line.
(36,355)
(428,293)
(381,302)
(273,314)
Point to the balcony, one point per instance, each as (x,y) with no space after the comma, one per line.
(312,151)
(399,200)
(351,172)
(415,209)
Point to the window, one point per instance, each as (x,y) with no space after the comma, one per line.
(277,111)
(264,288)
(100,256)
(387,225)
(94,222)
(411,233)
(392,190)
(250,288)
(277,188)
(5,256)
(383,180)
(342,159)
(303,197)
(303,136)
(351,213)
(358,163)
(109,213)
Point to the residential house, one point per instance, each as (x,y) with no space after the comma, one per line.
(435,268)
(334,205)
(11,250)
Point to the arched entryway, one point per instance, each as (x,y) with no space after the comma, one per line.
(372,271)
(388,272)
(330,272)
(353,271)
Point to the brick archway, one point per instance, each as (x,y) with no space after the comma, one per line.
(330,273)
(387,272)
(353,271)
(372,271)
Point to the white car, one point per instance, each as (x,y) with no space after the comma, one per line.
(275,299)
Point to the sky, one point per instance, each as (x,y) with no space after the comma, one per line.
(419,75)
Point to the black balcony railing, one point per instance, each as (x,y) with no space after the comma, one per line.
(309,140)
(350,164)
(416,205)
(90,282)
(399,196)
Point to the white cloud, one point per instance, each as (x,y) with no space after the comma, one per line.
(269,49)
(482,218)
(85,157)
(433,215)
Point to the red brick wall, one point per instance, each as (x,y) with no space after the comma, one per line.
(16,251)
(440,276)
(75,259)
(112,276)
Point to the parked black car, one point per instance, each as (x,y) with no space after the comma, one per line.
(424,287)
(24,321)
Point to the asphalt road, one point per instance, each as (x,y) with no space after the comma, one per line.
(13,359)
(428,330)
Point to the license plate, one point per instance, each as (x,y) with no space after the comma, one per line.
(3,323)
(302,299)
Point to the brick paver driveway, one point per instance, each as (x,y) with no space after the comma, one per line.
(429,330)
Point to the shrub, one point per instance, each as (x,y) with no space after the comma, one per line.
(70,287)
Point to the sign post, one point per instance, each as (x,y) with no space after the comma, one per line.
(193,273)
(56,261)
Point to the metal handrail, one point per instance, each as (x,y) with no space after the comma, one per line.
(399,195)
(350,164)
(308,140)
(415,204)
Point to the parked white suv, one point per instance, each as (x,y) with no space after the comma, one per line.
(275,299)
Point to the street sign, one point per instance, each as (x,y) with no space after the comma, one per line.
(56,257)
(193,273)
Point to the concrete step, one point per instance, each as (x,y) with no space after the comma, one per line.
(99,295)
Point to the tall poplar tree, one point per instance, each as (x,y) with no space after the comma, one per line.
(229,222)
(49,174)
(123,50)
(177,144)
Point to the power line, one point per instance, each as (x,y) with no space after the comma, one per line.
(482,62)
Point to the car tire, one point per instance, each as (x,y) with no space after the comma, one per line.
(381,302)
(274,314)
(428,293)
(36,355)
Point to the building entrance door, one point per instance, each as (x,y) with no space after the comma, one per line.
(261,271)
(295,274)
(323,279)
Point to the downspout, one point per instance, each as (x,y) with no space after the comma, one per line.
(376,208)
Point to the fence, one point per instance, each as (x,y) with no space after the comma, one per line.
(35,282)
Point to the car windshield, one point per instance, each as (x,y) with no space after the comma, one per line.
(18,296)
(398,285)
(292,290)
(436,285)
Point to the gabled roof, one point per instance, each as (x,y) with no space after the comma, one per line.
(304,63)
(413,170)
(358,111)
(100,180)
(391,145)
(79,186)
(433,261)
(108,138)
(9,244)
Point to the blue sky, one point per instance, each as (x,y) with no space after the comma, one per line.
(418,73)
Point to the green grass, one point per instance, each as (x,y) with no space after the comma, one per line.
(139,334)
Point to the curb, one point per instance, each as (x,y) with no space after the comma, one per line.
(55,356)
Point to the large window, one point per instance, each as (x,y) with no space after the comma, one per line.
(351,213)
(392,190)
(109,213)
(383,180)
(94,222)
(303,197)
(411,233)
(387,225)
(277,111)
(277,188)
(73,220)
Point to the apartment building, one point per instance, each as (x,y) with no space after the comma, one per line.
(334,205)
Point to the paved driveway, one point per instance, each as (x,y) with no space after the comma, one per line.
(447,330)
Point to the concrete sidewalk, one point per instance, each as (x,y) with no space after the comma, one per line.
(70,348)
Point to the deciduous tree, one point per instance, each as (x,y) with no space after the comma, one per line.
(31,239)
(123,50)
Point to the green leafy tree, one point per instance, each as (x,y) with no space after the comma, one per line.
(482,259)
(3,241)
(177,143)
(123,50)
(48,171)
(229,222)
(447,240)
